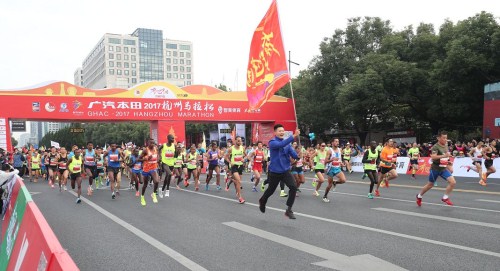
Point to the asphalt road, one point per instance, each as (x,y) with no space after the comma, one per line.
(209,230)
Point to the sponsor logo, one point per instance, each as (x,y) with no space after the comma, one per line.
(35,107)
(76,105)
(64,107)
(50,107)
(220,109)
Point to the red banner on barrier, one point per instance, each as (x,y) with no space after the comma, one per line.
(424,166)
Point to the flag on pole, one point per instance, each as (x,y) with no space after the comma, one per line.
(54,144)
(267,71)
(204,143)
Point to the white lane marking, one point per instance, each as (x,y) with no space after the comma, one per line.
(334,260)
(487,200)
(443,218)
(402,235)
(144,236)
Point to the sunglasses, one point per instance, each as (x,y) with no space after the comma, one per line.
(323,145)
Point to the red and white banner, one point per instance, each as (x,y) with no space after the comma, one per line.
(401,164)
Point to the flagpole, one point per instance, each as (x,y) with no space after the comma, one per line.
(290,62)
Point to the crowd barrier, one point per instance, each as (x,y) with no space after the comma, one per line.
(424,165)
(28,242)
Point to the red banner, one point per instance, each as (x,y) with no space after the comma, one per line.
(424,166)
(267,71)
(262,132)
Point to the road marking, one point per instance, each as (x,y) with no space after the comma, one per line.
(333,260)
(478,182)
(487,200)
(34,193)
(144,236)
(443,218)
(402,235)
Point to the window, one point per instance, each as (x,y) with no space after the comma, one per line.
(188,55)
(181,54)
(176,76)
(169,60)
(188,83)
(181,69)
(169,68)
(134,73)
(119,72)
(188,76)
(125,65)
(176,68)
(169,53)
(111,48)
(174,53)
(132,50)
(133,65)
(175,60)
(185,47)
(111,56)
(118,57)
(125,57)
(134,81)
(126,72)
(129,42)
(188,62)
(132,58)
(181,61)
(118,64)
(125,49)
(111,71)
(171,46)
(188,69)
(182,76)
(111,64)
(169,75)
(118,48)
(114,41)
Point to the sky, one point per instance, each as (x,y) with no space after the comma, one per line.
(47,40)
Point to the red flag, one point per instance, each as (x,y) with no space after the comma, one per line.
(267,71)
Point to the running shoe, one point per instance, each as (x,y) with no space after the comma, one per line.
(241,200)
(167,193)
(219,188)
(206,187)
(314,182)
(289,214)
(364,176)
(315,193)
(65,188)
(283,194)
(254,189)
(262,187)
(143,201)
(325,199)
(78,200)
(161,194)
(377,193)
(467,167)
(60,188)
(413,178)
(113,196)
(50,183)
(136,193)
(88,191)
(435,183)
(196,188)
(370,195)
(484,176)
(386,183)
(107,182)
(419,201)
(481,182)
(227,187)
(447,201)
(334,187)
(186,183)
(298,191)
(153,196)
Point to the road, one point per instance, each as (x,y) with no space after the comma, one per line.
(209,230)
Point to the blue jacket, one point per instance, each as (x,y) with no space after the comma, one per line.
(280,151)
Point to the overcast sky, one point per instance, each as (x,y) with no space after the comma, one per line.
(48,40)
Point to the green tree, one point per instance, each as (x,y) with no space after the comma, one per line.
(14,141)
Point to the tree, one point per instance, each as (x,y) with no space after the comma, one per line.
(14,141)
(223,87)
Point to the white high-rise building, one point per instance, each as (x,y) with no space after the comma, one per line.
(122,61)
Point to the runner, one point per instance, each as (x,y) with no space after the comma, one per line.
(114,157)
(297,166)
(179,159)
(346,152)
(149,159)
(75,168)
(63,172)
(489,155)
(35,165)
(199,166)
(90,165)
(334,163)
(135,166)
(440,161)
(235,156)
(319,168)
(414,155)
(213,157)
(279,168)
(257,157)
(191,164)
(370,160)
(99,167)
(53,157)
(477,159)
(167,162)
(387,165)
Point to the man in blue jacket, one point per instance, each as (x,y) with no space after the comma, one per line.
(279,168)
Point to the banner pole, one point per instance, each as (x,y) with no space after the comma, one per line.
(291,89)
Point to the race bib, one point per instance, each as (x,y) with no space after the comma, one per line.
(153,159)
(322,160)
(113,157)
(89,159)
(62,165)
(100,164)
(238,158)
(258,158)
(479,157)
(169,154)
(373,161)
(137,166)
(35,162)
(336,163)
(193,162)
(443,162)
(394,158)
(299,163)
(76,168)
(53,162)
(178,162)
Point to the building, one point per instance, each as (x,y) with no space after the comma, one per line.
(122,61)
(23,139)
(39,129)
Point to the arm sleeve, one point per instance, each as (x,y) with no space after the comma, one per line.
(276,144)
